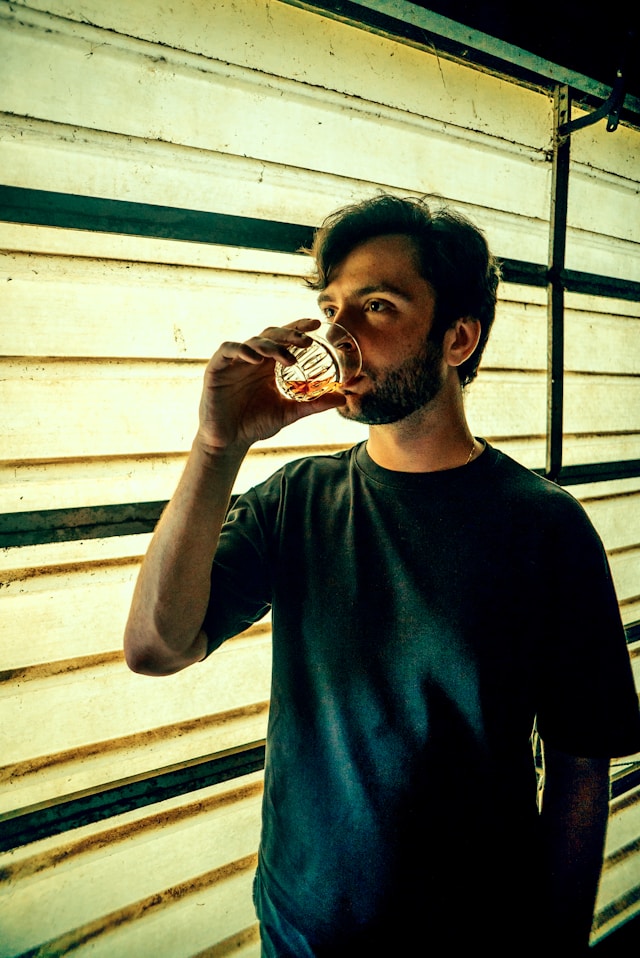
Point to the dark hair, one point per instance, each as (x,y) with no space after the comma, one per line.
(451,254)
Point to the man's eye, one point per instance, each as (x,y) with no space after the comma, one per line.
(329,311)
(376,306)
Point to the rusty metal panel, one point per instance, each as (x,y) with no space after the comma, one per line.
(172,879)
(296,114)
(110,725)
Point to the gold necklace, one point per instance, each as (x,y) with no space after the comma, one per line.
(472,453)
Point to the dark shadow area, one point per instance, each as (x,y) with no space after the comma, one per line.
(587,39)
(623,943)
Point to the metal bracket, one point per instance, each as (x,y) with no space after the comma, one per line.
(610,108)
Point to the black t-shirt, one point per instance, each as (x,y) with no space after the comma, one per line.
(421,624)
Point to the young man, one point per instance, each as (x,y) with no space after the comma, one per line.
(432,601)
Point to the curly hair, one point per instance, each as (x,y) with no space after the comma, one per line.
(452,254)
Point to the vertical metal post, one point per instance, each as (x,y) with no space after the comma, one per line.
(555,282)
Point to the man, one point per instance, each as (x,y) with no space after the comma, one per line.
(432,602)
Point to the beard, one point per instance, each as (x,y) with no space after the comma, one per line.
(397,393)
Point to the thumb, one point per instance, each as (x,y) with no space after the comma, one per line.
(322,404)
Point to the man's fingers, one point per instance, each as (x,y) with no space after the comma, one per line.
(271,343)
(321,404)
(302,325)
(289,335)
(252,352)
(228,352)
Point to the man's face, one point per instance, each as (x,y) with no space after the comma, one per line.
(377,293)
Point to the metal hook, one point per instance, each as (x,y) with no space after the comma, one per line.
(611,108)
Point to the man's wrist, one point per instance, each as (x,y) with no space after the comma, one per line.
(218,457)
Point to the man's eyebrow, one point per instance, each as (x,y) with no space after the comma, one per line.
(324,297)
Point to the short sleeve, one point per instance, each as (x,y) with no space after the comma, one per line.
(240,587)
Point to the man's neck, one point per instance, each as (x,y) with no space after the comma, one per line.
(432,439)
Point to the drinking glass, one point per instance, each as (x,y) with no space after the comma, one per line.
(331,360)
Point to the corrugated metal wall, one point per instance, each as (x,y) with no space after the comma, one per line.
(135,147)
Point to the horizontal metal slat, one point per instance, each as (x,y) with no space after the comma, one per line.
(130,518)
(77,812)
(598,472)
(97,214)
(86,522)
(43,208)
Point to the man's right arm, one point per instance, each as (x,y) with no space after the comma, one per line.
(164,629)
(240,404)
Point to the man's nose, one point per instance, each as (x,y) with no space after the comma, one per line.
(347,317)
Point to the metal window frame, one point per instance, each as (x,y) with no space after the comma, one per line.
(559,279)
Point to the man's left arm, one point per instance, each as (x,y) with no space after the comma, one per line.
(574,813)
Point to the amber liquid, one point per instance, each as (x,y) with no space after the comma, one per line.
(303,391)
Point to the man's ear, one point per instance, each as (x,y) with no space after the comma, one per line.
(460,340)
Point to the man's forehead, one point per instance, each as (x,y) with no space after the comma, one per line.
(387,263)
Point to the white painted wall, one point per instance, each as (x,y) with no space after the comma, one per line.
(259,109)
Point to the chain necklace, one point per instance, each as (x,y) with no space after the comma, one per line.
(472,453)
